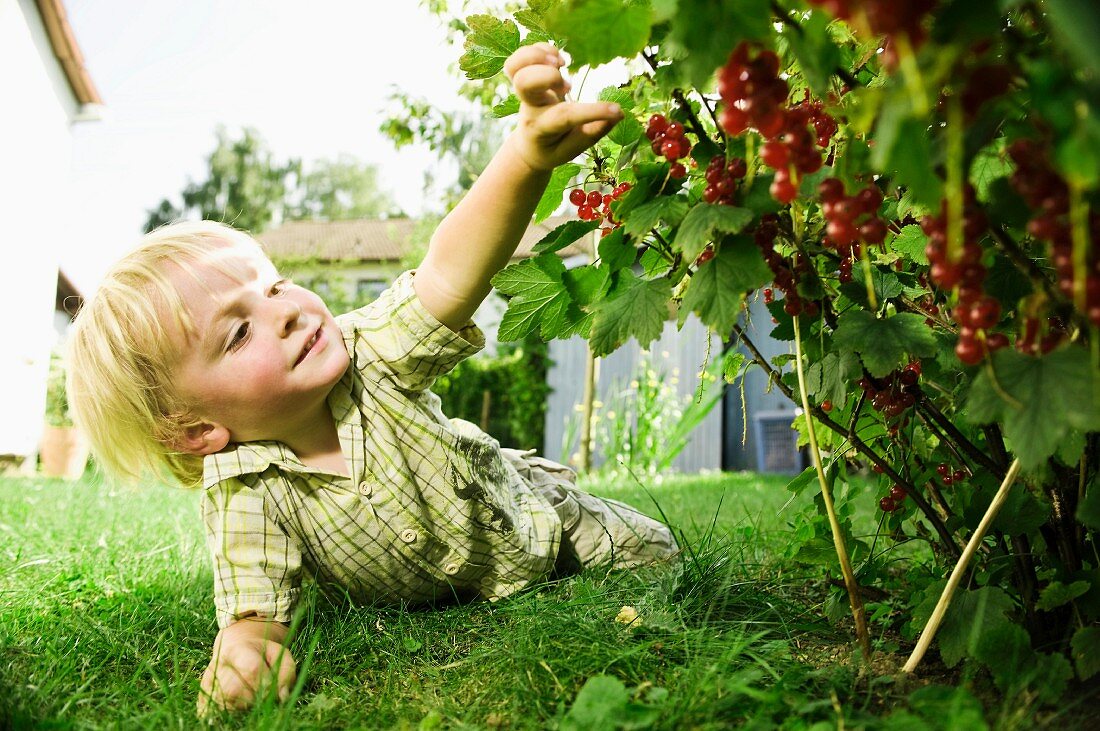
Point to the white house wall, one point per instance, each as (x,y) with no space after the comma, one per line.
(35,155)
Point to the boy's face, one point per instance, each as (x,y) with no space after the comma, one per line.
(265,353)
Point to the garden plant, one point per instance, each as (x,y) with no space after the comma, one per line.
(911,186)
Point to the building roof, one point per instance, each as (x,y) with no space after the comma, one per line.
(68,53)
(372,240)
(69,299)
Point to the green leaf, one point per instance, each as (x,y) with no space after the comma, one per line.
(1057,594)
(717,290)
(903,148)
(884,343)
(605,703)
(1005,649)
(488,44)
(1037,399)
(1086,651)
(563,236)
(597,31)
(615,252)
(886,285)
(817,55)
(540,303)
(701,48)
(828,378)
(704,221)
(911,243)
(988,165)
(635,307)
(1076,25)
(947,707)
(506,108)
(629,129)
(1088,510)
(644,218)
(648,178)
(970,616)
(551,199)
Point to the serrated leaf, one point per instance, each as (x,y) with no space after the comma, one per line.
(489,42)
(1086,651)
(506,108)
(1056,594)
(970,616)
(564,235)
(628,130)
(635,307)
(1037,399)
(539,301)
(884,343)
(717,290)
(644,218)
(693,35)
(911,242)
(551,199)
(885,283)
(828,378)
(817,55)
(597,31)
(731,365)
(616,252)
(648,178)
(988,165)
(1005,649)
(704,221)
(1088,510)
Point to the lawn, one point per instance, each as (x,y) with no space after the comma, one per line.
(106,622)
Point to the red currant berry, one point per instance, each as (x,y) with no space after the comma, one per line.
(826,405)
(577,197)
(887,505)
(898,493)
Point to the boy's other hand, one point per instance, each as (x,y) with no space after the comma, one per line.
(247,661)
(551,130)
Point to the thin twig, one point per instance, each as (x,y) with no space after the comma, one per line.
(956,575)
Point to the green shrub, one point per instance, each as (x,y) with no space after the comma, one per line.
(516,382)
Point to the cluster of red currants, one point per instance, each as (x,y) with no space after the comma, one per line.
(785,277)
(850,220)
(754,95)
(889,19)
(792,154)
(950,475)
(723,178)
(1047,195)
(975,312)
(594,205)
(894,500)
(894,393)
(668,141)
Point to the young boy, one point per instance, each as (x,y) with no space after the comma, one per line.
(316,441)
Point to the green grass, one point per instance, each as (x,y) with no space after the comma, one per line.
(106,622)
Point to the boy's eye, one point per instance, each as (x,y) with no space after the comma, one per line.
(279,287)
(239,336)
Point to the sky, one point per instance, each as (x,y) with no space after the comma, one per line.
(312,77)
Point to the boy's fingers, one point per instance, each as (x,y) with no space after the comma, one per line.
(562,118)
(540,85)
(538,53)
(283,667)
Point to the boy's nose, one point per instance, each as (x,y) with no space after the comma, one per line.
(289,315)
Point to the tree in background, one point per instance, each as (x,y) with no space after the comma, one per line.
(248,188)
(341,189)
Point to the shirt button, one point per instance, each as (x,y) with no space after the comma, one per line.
(451,569)
(408,535)
(365,488)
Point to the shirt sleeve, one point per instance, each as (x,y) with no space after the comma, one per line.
(257,567)
(396,340)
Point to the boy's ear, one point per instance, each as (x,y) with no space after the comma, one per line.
(203,439)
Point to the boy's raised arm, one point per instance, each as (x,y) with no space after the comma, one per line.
(478,237)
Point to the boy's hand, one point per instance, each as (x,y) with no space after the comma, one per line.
(552,131)
(248,659)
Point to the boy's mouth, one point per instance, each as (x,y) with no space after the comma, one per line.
(310,344)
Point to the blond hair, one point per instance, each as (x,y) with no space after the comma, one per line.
(121,354)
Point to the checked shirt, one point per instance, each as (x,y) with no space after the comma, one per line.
(432,509)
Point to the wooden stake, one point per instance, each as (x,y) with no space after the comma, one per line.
(854,597)
(960,568)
